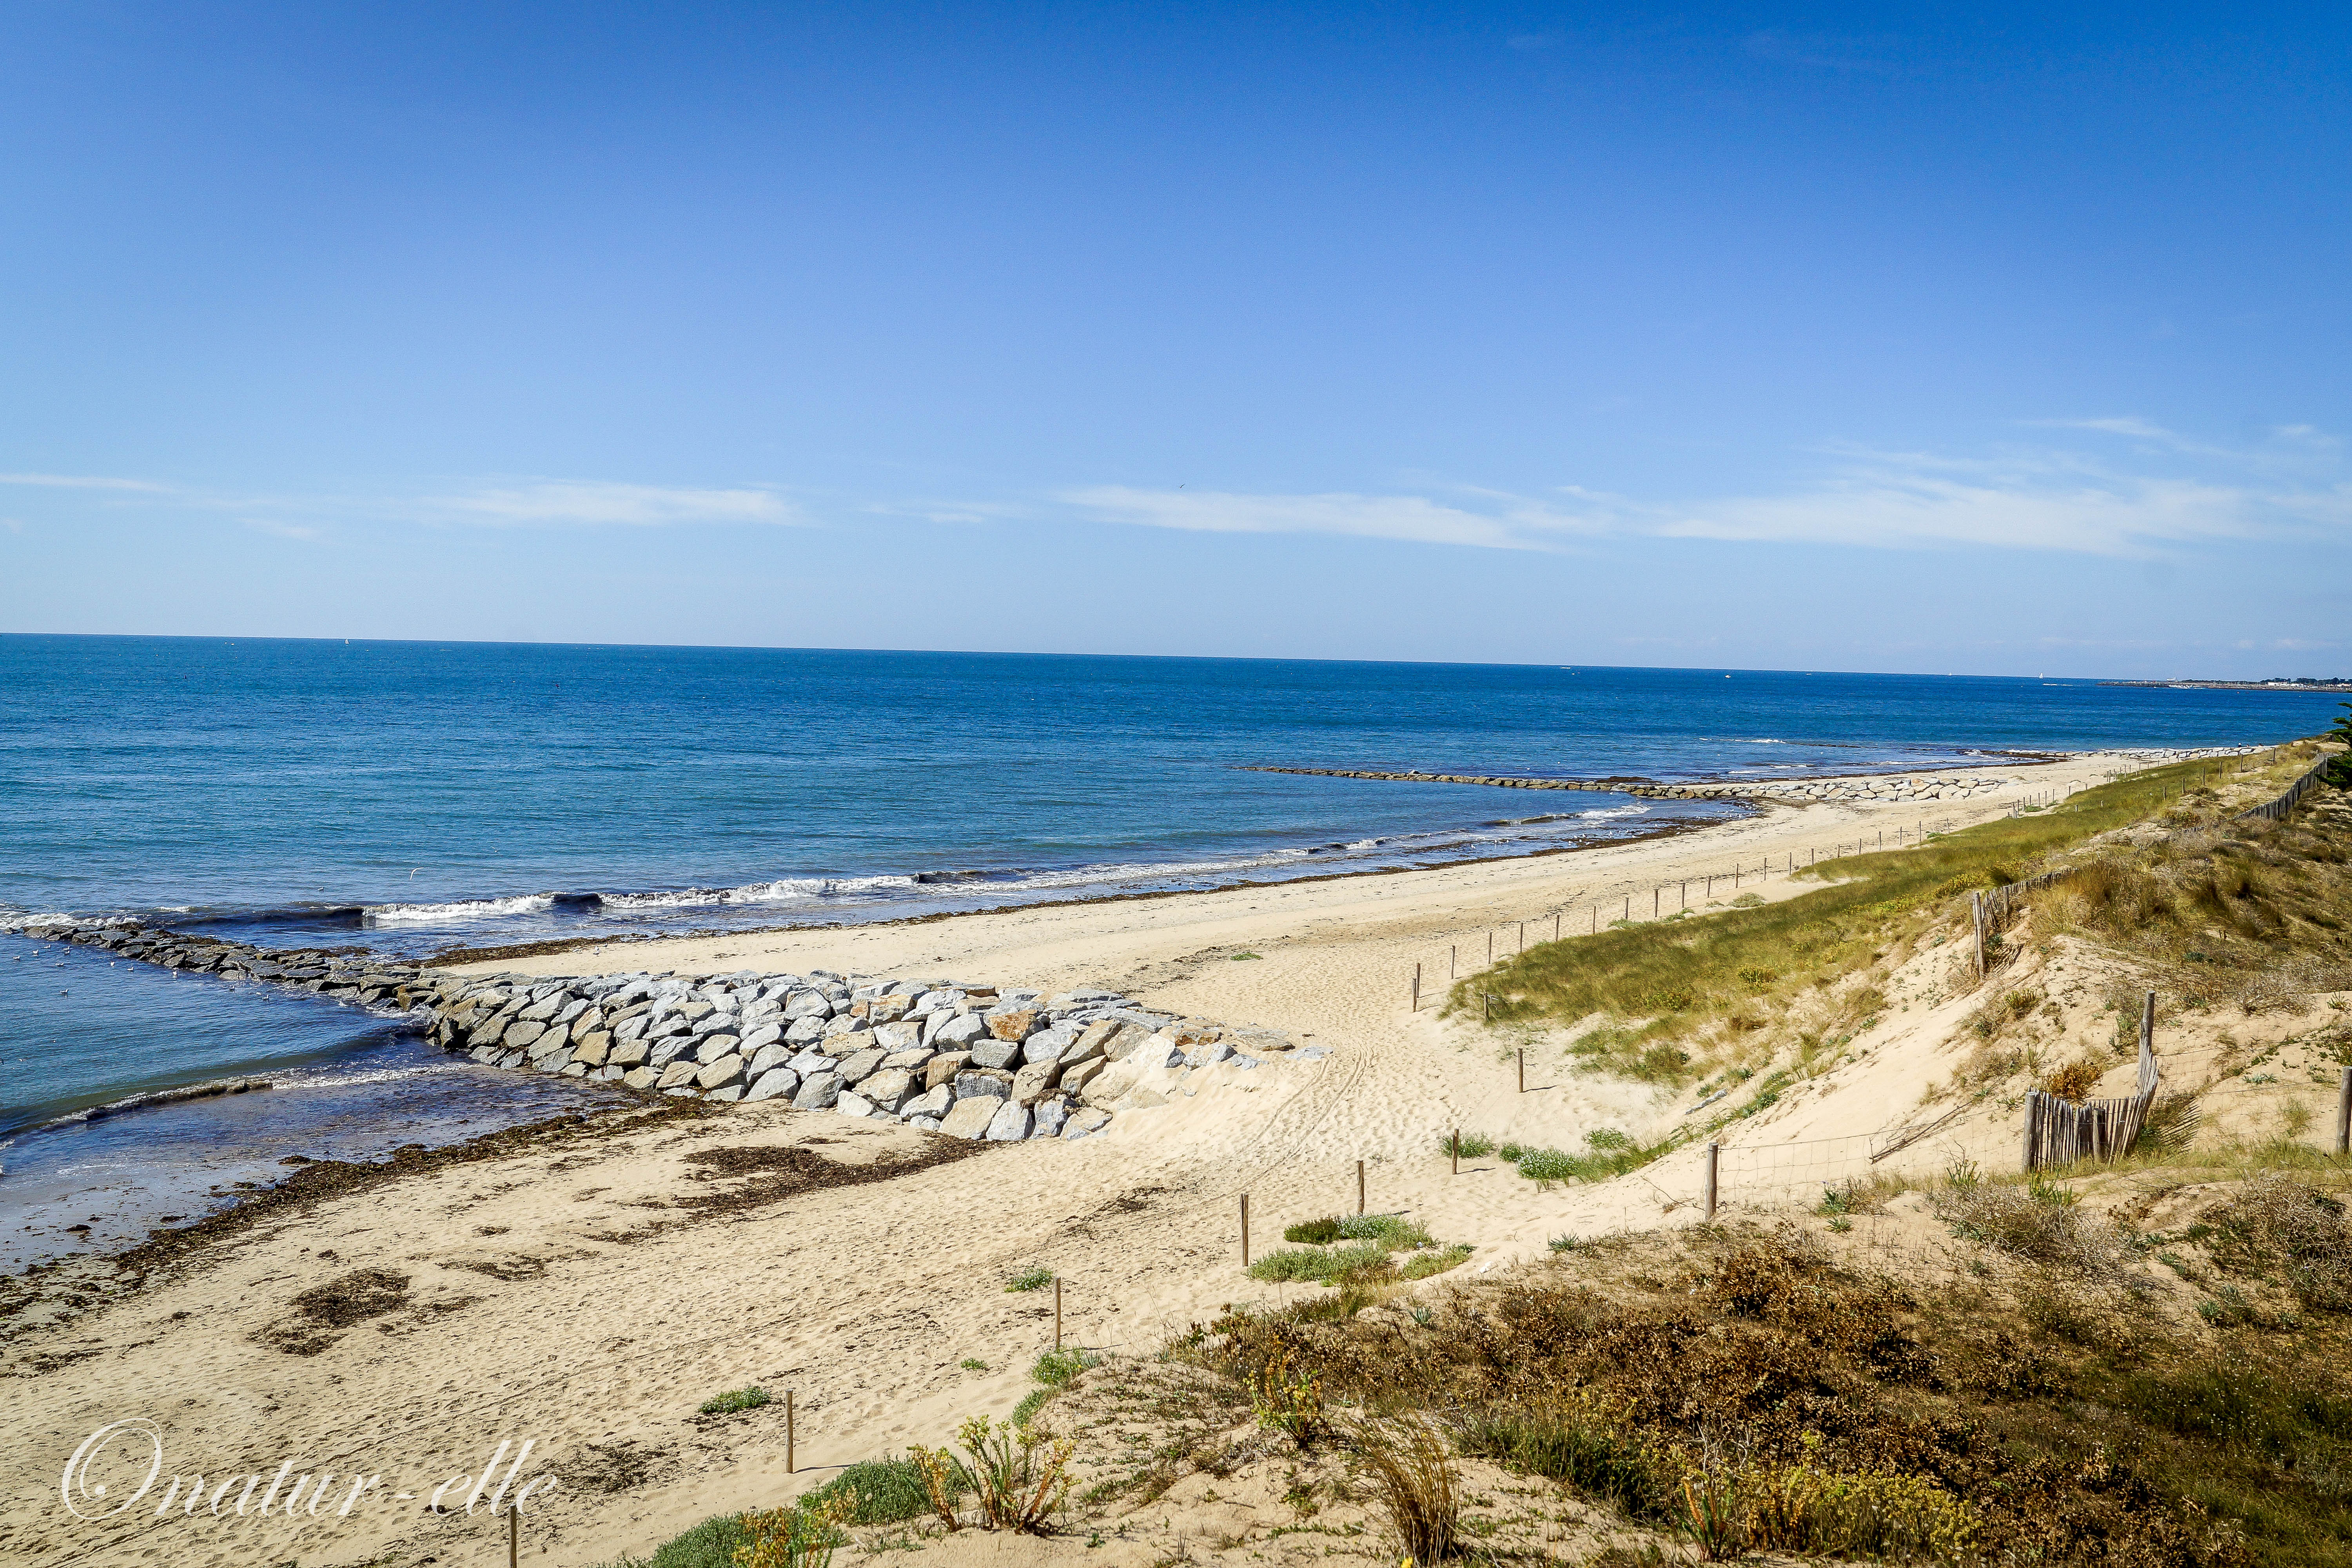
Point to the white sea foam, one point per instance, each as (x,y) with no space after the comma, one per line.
(787,889)
(455,910)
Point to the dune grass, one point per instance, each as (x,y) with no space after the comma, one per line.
(1672,992)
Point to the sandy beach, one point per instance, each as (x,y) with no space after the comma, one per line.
(583,1296)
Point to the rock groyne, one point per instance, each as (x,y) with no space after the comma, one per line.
(961,1058)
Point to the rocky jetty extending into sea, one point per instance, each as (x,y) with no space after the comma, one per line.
(1950,785)
(960,1058)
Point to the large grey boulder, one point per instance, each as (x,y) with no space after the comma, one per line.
(1125,1041)
(774,1055)
(1075,1079)
(1048,1045)
(521,1032)
(1052,1116)
(711,1048)
(669,1047)
(1033,1083)
(899,1036)
(1086,1123)
(1010,1124)
(627,1054)
(957,1031)
(845,1025)
(970,1118)
(675,1074)
(1091,1041)
(542,1011)
(695,1011)
(860,1064)
(852,1103)
(592,1049)
(720,1073)
(974,1083)
(818,1091)
(932,1102)
(807,1004)
(761,1035)
(911,1060)
(807,1029)
(996,1054)
(887,1089)
(814,1060)
(641,1077)
(942,1068)
(773,1083)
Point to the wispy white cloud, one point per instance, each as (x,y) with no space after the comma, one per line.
(83,482)
(2042,499)
(573,502)
(1515,523)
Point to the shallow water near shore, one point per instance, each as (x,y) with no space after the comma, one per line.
(82,1033)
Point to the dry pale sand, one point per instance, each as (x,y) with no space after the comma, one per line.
(532,1313)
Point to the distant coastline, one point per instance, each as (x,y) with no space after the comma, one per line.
(2299,683)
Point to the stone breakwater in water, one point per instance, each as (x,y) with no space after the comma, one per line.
(1954,786)
(964,1059)
(1950,785)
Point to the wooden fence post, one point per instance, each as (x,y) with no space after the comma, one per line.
(1451,953)
(1976,913)
(1245,1230)
(1523,1069)
(1458,1150)
(2344,1114)
(2147,1023)
(1057,1314)
(788,1432)
(1360,1186)
(1523,937)
(1416,987)
(1714,1163)
(514,1534)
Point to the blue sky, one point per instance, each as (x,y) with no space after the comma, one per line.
(1869,338)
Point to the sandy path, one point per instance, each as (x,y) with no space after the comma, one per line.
(864,1300)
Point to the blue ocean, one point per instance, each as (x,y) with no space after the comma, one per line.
(417,798)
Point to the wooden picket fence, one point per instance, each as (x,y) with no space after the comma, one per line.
(2059,1132)
(2276,810)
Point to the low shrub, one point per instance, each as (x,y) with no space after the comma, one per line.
(734,1400)
(1577,1443)
(885,1491)
(2033,1228)
(1313,1232)
(2278,1228)
(1318,1265)
(1032,1279)
(801,1536)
